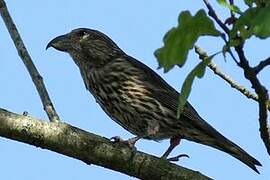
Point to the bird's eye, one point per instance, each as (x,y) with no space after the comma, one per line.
(83,33)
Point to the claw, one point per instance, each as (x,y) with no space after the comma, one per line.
(174,141)
(176,158)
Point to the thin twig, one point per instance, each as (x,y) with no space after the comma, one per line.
(263,96)
(203,55)
(213,14)
(23,53)
(223,36)
(262,65)
(231,3)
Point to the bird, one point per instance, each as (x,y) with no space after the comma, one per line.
(137,98)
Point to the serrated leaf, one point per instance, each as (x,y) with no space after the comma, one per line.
(199,72)
(232,8)
(254,21)
(179,40)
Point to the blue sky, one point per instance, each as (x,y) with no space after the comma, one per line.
(137,27)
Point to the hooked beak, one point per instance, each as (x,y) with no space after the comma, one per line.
(61,43)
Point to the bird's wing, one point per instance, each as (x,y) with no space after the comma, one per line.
(168,96)
(160,88)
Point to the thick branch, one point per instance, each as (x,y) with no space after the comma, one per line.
(90,148)
(263,96)
(23,53)
(262,65)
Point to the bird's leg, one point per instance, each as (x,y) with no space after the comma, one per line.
(130,142)
(174,141)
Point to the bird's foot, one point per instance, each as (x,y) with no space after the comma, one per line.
(130,142)
(176,158)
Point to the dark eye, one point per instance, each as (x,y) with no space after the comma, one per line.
(82,33)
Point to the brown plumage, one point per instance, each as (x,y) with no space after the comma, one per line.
(136,97)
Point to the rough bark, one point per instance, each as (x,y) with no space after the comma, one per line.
(89,148)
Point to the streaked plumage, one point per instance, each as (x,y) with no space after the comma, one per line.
(135,96)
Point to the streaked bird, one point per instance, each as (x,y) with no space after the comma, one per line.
(136,97)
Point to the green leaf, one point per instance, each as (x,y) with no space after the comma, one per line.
(199,72)
(254,21)
(261,24)
(232,8)
(179,40)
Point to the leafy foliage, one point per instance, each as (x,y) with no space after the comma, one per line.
(254,21)
(179,40)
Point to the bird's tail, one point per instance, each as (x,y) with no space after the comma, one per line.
(237,152)
(215,139)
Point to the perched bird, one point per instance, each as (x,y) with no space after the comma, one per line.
(136,97)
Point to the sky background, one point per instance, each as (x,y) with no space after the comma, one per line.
(137,27)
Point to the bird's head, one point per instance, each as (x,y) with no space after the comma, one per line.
(87,46)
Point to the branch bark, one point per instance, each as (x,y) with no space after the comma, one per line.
(203,55)
(262,92)
(262,65)
(90,148)
(30,66)
(212,13)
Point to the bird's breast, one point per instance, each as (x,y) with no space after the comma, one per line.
(126,98)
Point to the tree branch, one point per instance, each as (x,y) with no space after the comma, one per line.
(262,92)
(250,74)
(262,65)
(213,14)
(23,53)
(90,148)
(202,55)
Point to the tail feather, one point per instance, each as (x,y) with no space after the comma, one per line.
(220,142)
(198,130)
(237,152)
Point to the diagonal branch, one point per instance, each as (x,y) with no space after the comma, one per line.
(213,14)
(23,53)
(202,55)
(90,148)
(262,65)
